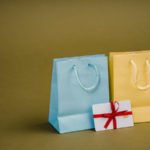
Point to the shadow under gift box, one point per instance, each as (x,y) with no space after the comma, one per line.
(77,83)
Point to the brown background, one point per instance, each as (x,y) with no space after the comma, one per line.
(32,33)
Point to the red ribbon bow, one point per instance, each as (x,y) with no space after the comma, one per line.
(112,116)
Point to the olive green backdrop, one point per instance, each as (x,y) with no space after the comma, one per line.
(32,33)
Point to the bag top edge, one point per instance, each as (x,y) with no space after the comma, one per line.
(76,57)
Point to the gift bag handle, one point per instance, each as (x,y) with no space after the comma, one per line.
(135,74)
(91,88)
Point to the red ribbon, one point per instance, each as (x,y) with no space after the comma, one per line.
(112,116)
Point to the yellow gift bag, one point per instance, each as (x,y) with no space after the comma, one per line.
(130,79)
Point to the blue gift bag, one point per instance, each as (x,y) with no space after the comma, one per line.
(77,83)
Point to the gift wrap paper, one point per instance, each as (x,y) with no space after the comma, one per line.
(122,121)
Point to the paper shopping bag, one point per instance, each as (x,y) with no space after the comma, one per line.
(77,83)
(130,79)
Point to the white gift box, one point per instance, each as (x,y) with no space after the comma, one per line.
(112,115)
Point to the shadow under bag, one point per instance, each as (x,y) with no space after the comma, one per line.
(77,83)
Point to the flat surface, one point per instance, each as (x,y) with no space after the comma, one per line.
(32,33)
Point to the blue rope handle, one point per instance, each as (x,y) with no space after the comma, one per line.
(91,88)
